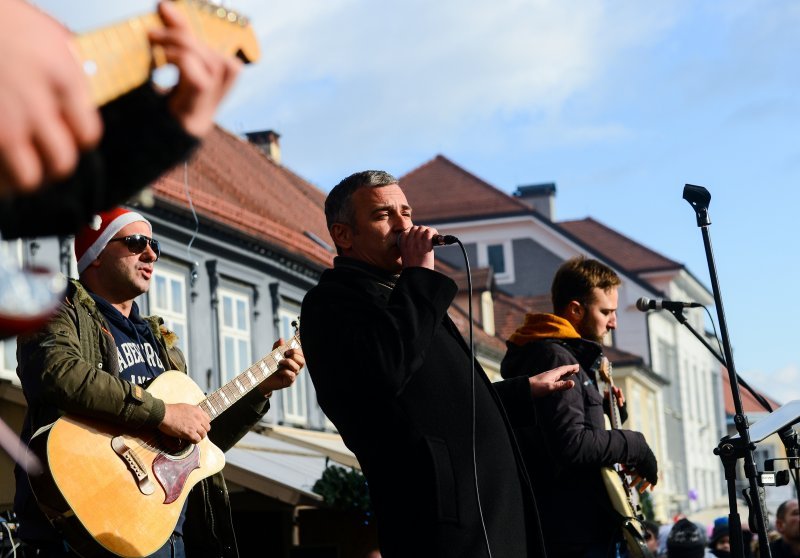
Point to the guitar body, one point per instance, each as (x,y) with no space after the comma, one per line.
(633,530)
(105,489)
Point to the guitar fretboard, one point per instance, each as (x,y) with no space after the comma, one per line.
(245,382)
(119,58)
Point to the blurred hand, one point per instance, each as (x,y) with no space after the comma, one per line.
(46,110)
(205,75)
(553,380)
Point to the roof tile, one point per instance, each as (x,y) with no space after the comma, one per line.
(441,190)
(618,248)
(231,181)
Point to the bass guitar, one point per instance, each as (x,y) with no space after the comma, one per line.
(617,482)
(111,491)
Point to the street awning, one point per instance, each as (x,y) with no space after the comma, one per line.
(275,468)
(326,443)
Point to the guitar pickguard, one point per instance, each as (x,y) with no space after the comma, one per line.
(172,472)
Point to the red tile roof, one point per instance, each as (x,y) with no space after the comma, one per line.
(509,311)
(749,403)
(441,190)
(617,248)
(232,182)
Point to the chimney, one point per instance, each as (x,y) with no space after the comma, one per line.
(267,142)
(540,197)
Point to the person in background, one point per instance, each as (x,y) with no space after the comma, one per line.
(651,536)
(787,523)
(686,540)
(720,541)
(569,445)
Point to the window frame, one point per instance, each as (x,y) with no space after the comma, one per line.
(235,333)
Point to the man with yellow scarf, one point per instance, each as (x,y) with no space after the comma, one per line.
(568,446)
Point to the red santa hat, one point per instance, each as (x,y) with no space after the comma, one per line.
(92,238)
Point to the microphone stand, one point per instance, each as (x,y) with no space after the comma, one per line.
(678,314)
(730,450)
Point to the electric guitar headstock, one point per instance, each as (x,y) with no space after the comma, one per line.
(605,371)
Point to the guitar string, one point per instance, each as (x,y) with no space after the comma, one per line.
(150,444)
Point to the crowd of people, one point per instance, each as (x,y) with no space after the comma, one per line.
(687,539)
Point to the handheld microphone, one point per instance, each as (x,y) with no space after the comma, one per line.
(443,240)
(436,240)
(644,304)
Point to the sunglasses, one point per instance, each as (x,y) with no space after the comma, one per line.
(137,243)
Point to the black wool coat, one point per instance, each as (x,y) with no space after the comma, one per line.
(393,374)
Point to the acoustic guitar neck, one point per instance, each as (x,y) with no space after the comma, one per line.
(119,58)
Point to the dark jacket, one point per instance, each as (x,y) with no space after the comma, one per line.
(779,549)
(71,366)
(565,450)
(393,374)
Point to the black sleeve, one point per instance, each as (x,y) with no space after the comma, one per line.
(518,402)
(572,420)
(140,142)
(344,331)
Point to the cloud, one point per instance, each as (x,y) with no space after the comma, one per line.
(359,80)
(781,384)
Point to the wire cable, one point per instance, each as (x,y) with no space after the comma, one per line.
(474,417)
(13,551)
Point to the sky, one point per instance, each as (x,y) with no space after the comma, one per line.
(619,103)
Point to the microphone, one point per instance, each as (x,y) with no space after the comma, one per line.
(443,240)
(436,240)
(644,304)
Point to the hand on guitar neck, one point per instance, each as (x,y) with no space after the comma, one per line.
(644,473)
(205,75)
(49,116)
(46,105)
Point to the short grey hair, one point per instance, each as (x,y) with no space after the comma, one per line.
(338,204)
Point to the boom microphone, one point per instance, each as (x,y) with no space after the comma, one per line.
(644,304)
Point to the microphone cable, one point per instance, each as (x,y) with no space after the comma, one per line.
(472,385)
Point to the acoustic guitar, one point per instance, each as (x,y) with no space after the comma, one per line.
(110,490)
(618,485)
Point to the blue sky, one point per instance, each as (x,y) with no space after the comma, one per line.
(620,103)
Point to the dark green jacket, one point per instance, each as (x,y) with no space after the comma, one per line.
(71,366)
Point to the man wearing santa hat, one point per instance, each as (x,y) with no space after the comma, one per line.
(94,358)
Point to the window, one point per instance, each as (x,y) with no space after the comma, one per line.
(294,398)
(168,300)
(234,332)
(496,258)
(499,257)
(10,260)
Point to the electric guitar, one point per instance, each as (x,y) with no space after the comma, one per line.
(617,483)
(111,491)
(115,59)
